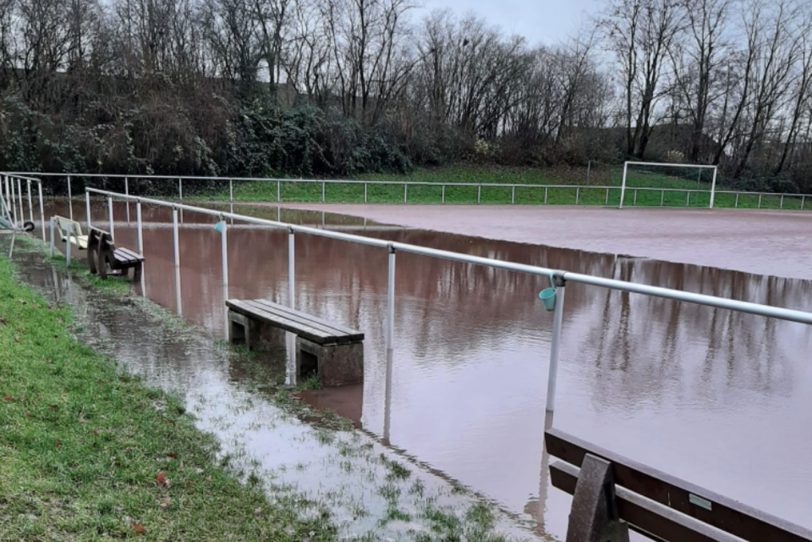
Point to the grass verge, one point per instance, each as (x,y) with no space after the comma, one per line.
(564,186)
(91,454)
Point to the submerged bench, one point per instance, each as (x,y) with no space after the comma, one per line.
(333,351)
(103,257)
(612,494)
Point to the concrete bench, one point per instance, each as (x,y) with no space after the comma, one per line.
(333,351)
(612,494)
(103,257)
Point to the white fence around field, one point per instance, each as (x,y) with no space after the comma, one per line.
(545,194)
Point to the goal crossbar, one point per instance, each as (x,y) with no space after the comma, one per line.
(668,164)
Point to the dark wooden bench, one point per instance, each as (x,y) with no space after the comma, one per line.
(333,351)
(104,258)
(612,494)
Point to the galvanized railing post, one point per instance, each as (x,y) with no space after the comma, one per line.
(127,193)
(478,194)
(291,269)
(366,190)
(577,195)
(390,299)
(110,217)
(513,194)
(323,190)
(736,204)
(140,240)
(555,344)
(224,263)
(634,199)
(70,199)
(231,198)
(11,202)
(405,192)
(781,204)
(662,197)
(176,260)
(687,199)
(87,209)
(180,196)
(279,191)
(803,199)
(41,210)
(442,194)
(20,199)
(759,201)
(30,201)
(606,203)
(545,195)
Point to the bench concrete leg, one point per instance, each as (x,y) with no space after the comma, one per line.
(593,516)
(336,364)
(255,335)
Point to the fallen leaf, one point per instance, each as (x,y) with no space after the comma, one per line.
(161,479)
(58,444)
(138,528)
(173,455)
(8,398)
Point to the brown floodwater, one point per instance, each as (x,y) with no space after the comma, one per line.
(718,398)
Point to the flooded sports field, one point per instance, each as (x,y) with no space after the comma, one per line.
(719,398)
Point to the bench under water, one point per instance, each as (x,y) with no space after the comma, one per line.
(717,397)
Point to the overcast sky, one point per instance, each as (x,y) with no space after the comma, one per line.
(540,21)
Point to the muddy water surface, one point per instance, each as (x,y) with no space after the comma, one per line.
(721,399)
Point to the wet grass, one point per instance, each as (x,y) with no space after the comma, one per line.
(443,184)
(407,504)
(90,453)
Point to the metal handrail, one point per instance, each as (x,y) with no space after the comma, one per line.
(614,284)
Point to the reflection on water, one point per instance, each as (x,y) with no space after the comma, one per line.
(721,399)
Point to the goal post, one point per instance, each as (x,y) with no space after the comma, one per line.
(668,165)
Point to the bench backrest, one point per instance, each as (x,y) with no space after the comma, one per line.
(676,499)
(67,227)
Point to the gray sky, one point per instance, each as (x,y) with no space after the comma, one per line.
(540,21)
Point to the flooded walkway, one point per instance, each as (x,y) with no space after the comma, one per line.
(718,398)
(369,491)
(777,243)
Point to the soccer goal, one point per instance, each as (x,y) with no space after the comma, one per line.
(679,182)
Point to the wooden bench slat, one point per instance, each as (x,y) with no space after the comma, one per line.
(326,334)
(721,512)
(308,319)
(317,335)
(292,319)
(643,515)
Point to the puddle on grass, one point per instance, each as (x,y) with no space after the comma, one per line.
(369,491)
(718,398)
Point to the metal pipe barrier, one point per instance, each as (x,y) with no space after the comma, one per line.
(560,277)
(12,187)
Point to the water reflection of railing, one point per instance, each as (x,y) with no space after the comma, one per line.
(558,277)
(564,194)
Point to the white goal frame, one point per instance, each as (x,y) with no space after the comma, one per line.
(666,164)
